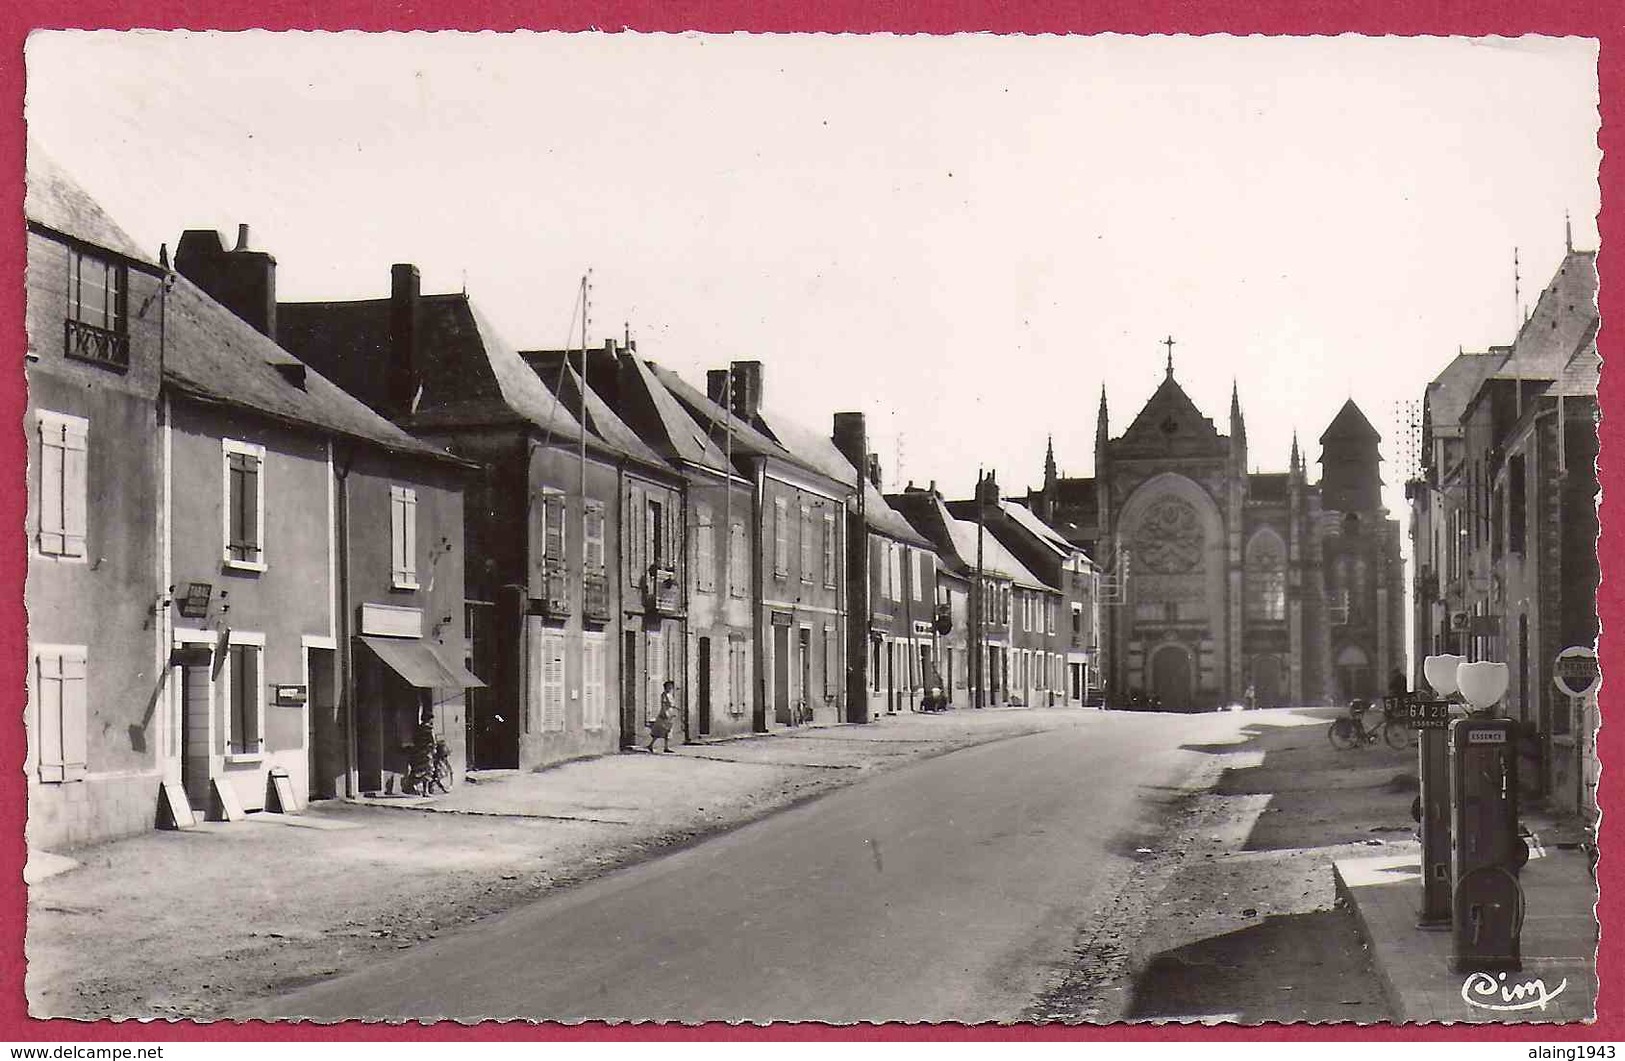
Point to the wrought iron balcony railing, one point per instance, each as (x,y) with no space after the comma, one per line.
(86,342)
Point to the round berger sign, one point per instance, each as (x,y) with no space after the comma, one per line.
(1576,672)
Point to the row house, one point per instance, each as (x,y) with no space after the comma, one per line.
(650,505)
(1008,663)
(315,552)
(1037,657)
(892,600)
(188,558)
(1071,616)
(798,516)
(540,602)
(93,369)
(716,594)
(1504,522)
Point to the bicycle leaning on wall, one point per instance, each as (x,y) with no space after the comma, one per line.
(1351,732)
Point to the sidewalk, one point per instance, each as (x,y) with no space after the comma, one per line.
(199,922)
(1559,937)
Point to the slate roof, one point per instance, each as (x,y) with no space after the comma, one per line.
(55,200)
(1268,486)
(1557,324)
(672,431)
(1051,538)
(600,418)
(1583,372)
(211,353)
(716,422)
(1169,400)
(955,539)
(1349,423)
(471,375)
(1453,388)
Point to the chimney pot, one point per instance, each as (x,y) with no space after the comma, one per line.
(242,238)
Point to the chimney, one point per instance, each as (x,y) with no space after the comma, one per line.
(874,470)
(987,491)
(850,439)
(404,371)
(747,377)
(241,280)
(716,385)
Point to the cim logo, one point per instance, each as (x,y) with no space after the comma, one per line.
(1483,991)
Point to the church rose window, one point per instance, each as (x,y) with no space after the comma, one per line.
(1170,537)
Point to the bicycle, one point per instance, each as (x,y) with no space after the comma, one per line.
(428,768)
(1351,732)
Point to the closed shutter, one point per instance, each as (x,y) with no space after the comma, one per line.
(655,669)
(403,511)
(61,714)
(553,680)
(829,549)
(244,469)
(592,662)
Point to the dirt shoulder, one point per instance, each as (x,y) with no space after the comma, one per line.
(195,924)
(1231,912)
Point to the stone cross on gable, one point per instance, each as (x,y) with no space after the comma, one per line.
(1169,343)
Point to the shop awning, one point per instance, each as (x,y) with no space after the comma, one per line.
(423,664)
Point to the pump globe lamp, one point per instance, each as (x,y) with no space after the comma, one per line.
(1482,684)
(1440,672)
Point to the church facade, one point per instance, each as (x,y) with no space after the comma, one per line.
(1232,586)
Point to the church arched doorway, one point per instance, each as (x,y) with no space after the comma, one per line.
(1171,678)
(1269,688)
(1354,674)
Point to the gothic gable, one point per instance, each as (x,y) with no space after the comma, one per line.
(1170,423)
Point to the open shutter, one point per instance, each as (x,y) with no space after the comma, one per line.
(52,462)
(409,518)
(50,696)
(74,487)
(592,535)
(75,718)
(553,681)
(781,544)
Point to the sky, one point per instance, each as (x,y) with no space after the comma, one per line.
(964,237)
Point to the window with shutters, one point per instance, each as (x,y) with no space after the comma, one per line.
(98,296)
(63,484)
(403,537)
(59,712)
(894,562)
(704,560)
(829,550)
(241,677)
(738,560)
(548,542)
(781,538)
(806,528)
(593,680)
(244,516)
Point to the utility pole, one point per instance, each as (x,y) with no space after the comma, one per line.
(981,600)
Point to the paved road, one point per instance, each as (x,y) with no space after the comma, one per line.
(947,890)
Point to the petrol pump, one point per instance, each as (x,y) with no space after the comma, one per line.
(1486,851)
(1431,718)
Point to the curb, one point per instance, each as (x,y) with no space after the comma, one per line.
(1390,991)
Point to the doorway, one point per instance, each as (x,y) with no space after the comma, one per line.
(781,675)
(1171,678)
(1267,690)
(804,671)
(324,740)
(703,674)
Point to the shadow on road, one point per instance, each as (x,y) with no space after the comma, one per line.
(1285,968)
(1317,796)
